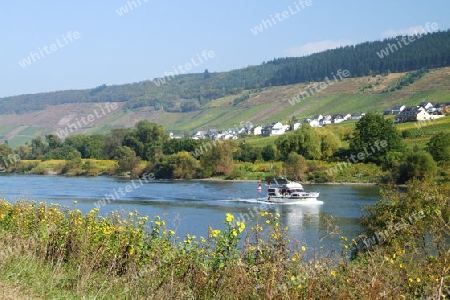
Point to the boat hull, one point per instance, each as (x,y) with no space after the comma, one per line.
(293,199)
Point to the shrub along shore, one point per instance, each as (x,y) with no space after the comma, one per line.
(54,252)
(354,174)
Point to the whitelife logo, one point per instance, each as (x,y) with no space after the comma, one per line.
(46,50)
(391,48)
(76,125)
(130,6)
(182,69)
(266,24)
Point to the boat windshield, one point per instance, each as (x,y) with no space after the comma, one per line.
(281,181)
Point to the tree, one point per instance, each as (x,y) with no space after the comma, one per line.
(73,166)
(53,141)
(330,144)
(90,168)
(439,147)
(269,153)
(417,165)
(113,140)
(183,165)
(206,74)
(248,153)
(65,152)
(295,166)
(304,141)
(5,150)
(90,146)
(177,145)
(152,136)
(374,137)
(126,159)
(38,148)
(218,159)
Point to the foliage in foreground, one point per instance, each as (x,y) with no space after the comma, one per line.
(57,252)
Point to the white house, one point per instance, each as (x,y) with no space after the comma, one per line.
(273,129)
(394,110)
(317,117)
(278,129)
(257,130)
(347,117)
(313,122)
(358,116)
(324,122)
(415,113)
(338,119)
(426,105)
(296,126)
(199,135)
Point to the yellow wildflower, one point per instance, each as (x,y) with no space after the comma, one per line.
(229,218)
(241,226)
(303,248)
(215,233)
(333,273)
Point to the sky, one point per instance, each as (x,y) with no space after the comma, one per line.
(51,45)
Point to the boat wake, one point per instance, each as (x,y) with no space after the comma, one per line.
(250,200)
(263,200)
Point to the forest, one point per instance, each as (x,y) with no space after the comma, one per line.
(190,92)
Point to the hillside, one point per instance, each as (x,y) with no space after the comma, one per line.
(266,105)
(376,76)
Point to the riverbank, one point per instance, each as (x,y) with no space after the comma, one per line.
(318,172)
(53,252)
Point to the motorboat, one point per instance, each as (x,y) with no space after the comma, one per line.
(282,190)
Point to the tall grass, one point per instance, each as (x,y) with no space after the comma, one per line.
(55,252)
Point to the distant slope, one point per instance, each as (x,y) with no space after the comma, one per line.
(264,105)
(194,92)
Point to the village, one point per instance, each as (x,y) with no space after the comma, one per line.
(423,112)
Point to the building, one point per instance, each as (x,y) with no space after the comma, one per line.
(273,129)
(394,110)
(415,113)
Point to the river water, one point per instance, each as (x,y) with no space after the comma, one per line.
(192,206)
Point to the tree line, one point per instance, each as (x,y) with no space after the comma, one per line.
(373,140)
(188,92)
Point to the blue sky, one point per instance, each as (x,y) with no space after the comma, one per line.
(155,36)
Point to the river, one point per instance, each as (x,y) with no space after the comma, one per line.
(192,206)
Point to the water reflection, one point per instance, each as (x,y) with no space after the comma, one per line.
(193,206)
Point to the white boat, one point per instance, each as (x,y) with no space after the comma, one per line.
(286,191)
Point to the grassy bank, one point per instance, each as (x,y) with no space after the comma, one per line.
(317,172)
(53,252)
